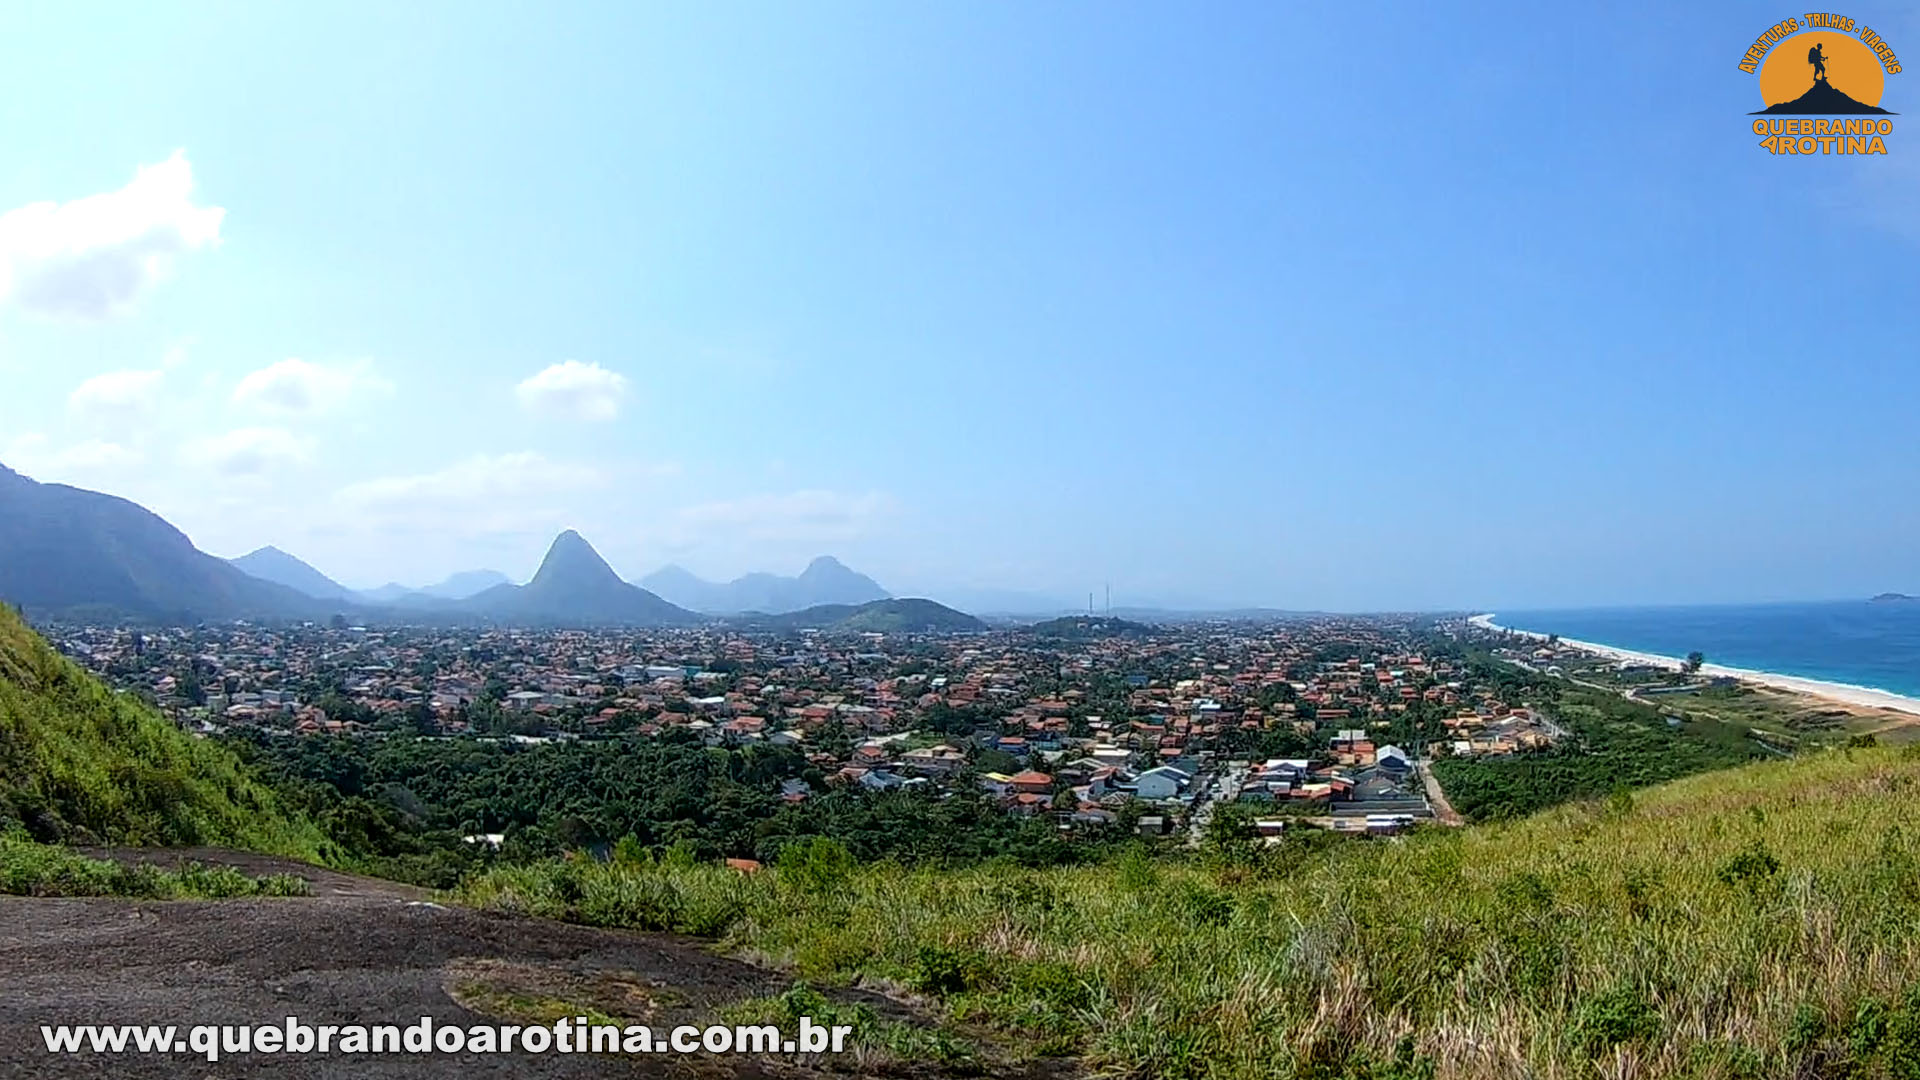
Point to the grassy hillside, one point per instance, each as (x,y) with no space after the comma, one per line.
(80,764)
(1613,742)
(1762,921)
(897,616)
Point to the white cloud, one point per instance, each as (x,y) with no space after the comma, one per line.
(35,455)
(811,515)
(248,451)
(295,387)
(484,493)
(116,398)
(91,258)
(573,391)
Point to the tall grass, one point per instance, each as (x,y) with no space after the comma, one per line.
(1759,922)
(80,763)
(30,869)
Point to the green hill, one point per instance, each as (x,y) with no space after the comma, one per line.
(896,616)
(1088,627)
(1762,921)
(82,764)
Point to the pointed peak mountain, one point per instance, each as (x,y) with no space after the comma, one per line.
(269,563)
(575,587)
(573,561)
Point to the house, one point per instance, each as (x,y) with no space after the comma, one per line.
(880,780)
(1388,824)
(1394,760)
(997,783)
(1164,782)
(1029,782)
(1029,803)
(1153,825)
(934,760)
(1089,813)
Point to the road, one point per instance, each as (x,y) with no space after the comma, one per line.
(1443,811)
(1219,789)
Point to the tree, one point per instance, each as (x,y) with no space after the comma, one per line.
(1694,660)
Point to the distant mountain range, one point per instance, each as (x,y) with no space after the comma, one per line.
(67,550)
(826,580)
(575,587)
(74,553)
(456,587)
(272,564)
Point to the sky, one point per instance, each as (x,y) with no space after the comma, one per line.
(1377,307)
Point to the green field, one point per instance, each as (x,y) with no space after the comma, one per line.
(1756,922)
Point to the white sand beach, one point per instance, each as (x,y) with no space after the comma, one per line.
(1865,697)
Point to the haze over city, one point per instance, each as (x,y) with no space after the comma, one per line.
(1208,309)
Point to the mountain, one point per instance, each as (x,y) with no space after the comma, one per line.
(1893,598)
(1089,627)
(66,550)
(391,592)
(826,580)
(890,616)
(82,764)
(458,586)
(1822,99)
(575,587)
(681,586)
(272,564)
(466,583)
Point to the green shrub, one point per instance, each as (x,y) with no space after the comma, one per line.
(32,869)
(817,866)
(1751,868)
(946,971)
(1621,1014)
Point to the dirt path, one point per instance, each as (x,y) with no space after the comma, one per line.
(357,952)
(1443,811)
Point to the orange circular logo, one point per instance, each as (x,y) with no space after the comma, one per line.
(1822,72)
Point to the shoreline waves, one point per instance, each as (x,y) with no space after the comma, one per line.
(1844,693)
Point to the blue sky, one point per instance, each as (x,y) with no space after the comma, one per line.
(1489,306)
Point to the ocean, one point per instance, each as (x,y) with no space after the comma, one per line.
(1861,643)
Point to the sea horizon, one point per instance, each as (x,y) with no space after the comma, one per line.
(1850,643)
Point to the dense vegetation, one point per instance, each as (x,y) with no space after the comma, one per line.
(1088,628)
(1758,922)
(82,764)
(1614,744)
(896,616)
(406,803)
(30,869)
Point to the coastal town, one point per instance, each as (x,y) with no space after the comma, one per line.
(1091,723)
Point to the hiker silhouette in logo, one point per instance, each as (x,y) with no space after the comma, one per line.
(1819,61)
